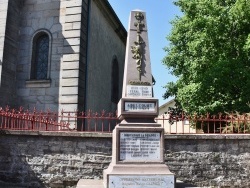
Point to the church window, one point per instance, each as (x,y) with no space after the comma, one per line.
(115,81)
(40,56)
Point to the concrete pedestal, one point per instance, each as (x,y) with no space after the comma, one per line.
(89,183)
(138,158)
(138,176)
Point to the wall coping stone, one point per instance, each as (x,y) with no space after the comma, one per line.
(109,135)
(208,136)
(57,133)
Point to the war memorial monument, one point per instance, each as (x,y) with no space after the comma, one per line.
(138,142)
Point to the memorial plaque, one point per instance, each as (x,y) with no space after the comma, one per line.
(139,106)
(138,181)
(139,91)
(140,146)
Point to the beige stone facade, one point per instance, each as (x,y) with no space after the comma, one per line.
(85,39)
(177,127)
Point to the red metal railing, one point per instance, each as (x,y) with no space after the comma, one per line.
(227,123)
(11,119)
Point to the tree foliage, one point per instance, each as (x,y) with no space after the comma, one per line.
(209,53)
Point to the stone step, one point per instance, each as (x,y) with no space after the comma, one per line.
(87,183)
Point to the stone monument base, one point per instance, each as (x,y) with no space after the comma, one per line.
(138,158)
(138,176)
(90,183)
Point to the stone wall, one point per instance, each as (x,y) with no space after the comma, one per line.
(47,159)
(75,56)
(3,19)
(9,42)
(73,67)
(111,36)
(210,160)
(36,16)
(51,160)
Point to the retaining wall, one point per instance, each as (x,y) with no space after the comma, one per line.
(48,159)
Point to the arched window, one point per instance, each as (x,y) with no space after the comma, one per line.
(115,81)
(40,56)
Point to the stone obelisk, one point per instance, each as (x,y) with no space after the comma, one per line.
(138,142)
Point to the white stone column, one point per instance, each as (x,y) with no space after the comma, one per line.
(69,71)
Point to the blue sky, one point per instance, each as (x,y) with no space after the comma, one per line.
(159,14)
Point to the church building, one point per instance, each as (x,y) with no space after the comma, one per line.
(61,54)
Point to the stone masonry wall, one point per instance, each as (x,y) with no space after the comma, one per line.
(3,19)
(103,30)
(50,160)
(210,160)
(47,159)
(72,71)
(10,51)
(37,15)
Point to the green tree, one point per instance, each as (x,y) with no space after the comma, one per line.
(209,53)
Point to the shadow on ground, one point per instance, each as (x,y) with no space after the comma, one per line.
(180,184)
